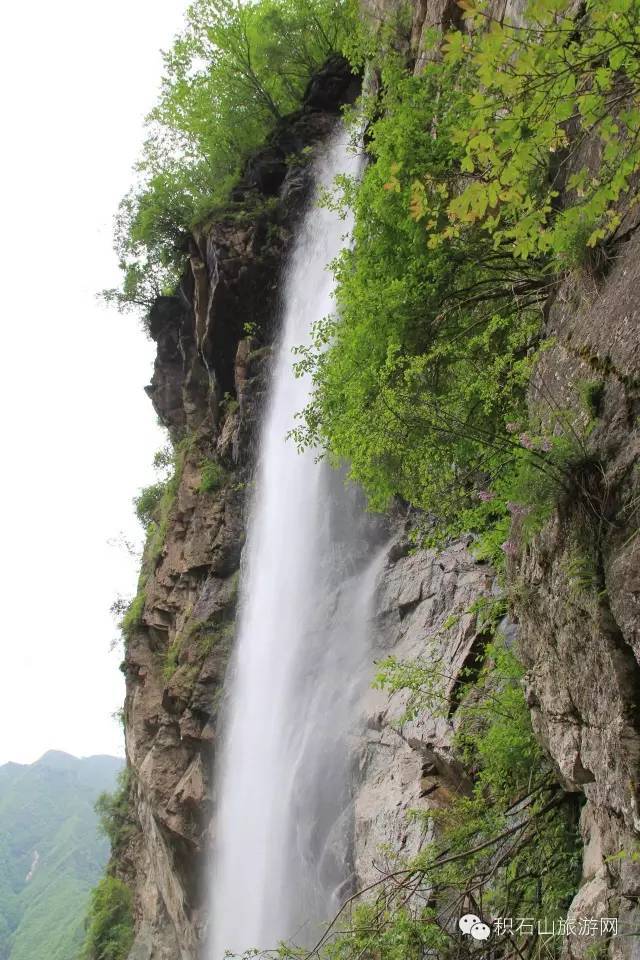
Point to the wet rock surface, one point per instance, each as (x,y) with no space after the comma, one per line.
(576,589)
(207,388)
(403,765)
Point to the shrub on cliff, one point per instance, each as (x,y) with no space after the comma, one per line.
(429,356)
(212,476)
(147,502)
(478,197)
(115,812)
(110,921)
(232,73)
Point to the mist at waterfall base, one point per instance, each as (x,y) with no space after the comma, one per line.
(280,866)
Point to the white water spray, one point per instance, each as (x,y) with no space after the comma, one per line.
(281,857)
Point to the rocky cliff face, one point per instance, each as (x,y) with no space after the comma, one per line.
(408,766)
(213,346)
(576,587)
(575,591)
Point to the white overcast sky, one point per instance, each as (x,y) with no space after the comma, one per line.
(78,432)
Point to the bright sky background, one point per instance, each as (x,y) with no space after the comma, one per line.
(78,432)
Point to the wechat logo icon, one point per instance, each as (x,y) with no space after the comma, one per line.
(473,926)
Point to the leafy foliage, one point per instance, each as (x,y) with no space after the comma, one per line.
(115,812)
(231,74)
(422,681)
(110,921)
(420,380)
(172,658)
(155,503)
(147,502)
(212,477)
(542,94)
(427,361)
(132,617)
(153,507)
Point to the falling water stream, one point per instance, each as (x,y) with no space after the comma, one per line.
(282,830)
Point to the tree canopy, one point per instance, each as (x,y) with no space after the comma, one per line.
(231,74)
(509,160)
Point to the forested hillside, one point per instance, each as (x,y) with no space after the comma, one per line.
(51,852)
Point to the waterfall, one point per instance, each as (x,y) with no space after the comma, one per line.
(281,850)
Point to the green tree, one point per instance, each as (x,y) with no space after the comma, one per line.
(479,195)
(230,76)
(427,359)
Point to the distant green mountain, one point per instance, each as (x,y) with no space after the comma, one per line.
(51,853)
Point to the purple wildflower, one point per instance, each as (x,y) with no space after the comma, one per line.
(510,548)
(486,495)
(517,510)
(545,444)
(526,441)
